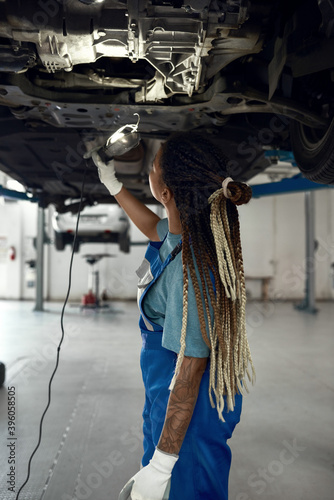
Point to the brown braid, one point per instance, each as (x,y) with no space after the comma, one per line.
(211,258)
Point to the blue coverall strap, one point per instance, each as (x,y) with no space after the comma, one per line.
(155,268)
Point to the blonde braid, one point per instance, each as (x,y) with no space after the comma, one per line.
(244,352)
(213,365)
(224,211)
(180,357)
(220,231)
(220,384)
(228,359)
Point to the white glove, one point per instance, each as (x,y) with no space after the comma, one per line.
(153,481)
(107,174)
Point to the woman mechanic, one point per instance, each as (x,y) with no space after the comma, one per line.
(195,353)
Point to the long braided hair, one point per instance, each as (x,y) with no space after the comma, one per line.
(194,169)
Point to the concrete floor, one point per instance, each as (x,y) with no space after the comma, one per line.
(91,445)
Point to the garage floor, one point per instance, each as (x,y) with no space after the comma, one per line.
(91,445)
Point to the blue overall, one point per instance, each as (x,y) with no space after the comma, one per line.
(202,471)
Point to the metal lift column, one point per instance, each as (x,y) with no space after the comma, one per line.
(308,304)
(40,260)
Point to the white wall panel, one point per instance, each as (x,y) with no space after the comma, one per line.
(18,221)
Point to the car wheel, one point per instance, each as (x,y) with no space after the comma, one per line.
(124,243)
(59,241)
(314,151)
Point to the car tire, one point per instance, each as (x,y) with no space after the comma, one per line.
(313,150)
(124,242)
(59,241)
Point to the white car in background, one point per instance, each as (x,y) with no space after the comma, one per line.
(98,224)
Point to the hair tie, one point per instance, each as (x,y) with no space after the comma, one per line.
(225,184)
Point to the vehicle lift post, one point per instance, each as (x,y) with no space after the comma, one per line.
(40,259)
(308,303)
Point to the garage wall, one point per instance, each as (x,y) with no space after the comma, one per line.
(273,238)
(18,223)
(324,260)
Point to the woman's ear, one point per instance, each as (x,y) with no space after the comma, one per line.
(166,195)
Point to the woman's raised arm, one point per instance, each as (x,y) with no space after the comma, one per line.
(140,214)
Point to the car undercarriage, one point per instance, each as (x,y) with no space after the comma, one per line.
(251,75)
